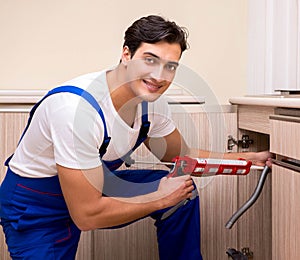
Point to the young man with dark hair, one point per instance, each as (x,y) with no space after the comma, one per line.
(64,177)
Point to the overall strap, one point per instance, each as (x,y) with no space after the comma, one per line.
(143,134)
(80,92)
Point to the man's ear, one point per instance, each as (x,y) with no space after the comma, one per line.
(126,55)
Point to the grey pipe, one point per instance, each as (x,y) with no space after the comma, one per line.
(251,200)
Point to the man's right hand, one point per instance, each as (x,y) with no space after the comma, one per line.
(90,210)
(174,190)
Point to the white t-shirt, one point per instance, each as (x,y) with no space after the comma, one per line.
(68,131)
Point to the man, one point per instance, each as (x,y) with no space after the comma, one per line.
(56,185)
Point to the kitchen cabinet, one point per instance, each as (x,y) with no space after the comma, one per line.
(279,119)
(269,229)
(206,130)
(285,130)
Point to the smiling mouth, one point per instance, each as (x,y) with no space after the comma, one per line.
(152,87)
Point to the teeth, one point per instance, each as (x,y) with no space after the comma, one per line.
(152,85)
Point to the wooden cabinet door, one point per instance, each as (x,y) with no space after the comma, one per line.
(255,227)
(218,194)
(285,135)
(285,188)
(285,213)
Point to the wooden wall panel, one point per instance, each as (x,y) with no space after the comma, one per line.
(11,127)
(134,242)
(85,249)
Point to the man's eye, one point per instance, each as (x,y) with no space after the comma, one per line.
(171,67)
(150,60)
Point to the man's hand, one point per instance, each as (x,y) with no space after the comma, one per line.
(174,190)
(261,158)
(90,210)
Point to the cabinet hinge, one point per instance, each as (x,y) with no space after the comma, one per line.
(244,142)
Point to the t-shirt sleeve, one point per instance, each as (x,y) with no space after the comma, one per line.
(77,133)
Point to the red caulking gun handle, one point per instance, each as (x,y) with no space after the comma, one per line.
(182,165)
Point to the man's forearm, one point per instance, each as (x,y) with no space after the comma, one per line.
(256,157)
(109,212)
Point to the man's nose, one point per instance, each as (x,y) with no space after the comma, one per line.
(158,73)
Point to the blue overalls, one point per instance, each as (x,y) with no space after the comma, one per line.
(37,224)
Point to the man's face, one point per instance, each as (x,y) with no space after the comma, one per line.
(151,69)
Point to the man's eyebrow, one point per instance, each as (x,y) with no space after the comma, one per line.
(151,54)
(155,56)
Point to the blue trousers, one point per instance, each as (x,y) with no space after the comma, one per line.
(37,224)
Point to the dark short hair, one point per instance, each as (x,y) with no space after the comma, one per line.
(153,29)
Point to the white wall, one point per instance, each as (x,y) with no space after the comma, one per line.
(274,46)
(43,43)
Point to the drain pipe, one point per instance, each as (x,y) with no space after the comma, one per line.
(251,200)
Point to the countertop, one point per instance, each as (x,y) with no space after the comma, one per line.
(29,97)
(21,96)
(268,100)
(23,100)
(32,96)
